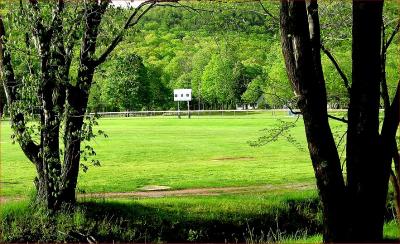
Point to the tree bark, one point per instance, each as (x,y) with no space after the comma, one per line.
(63,103)
(392,113)
(366,174)
(76,99)
(300,45)
(354,212)
(396,185)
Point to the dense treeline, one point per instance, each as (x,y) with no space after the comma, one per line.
(219,54)
(229,54)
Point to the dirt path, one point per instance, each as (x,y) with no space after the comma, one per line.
(155,192)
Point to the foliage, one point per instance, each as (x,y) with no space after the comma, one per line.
(176,44)
(237,43)
(281,130)
(124,84)
(48,83)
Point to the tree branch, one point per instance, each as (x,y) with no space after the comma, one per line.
(293,112)
(396,186)
(58,9)
(129,23)
(395,31)
(72,34)
(28,146)
(276,19)
(388,139)
(329,115)
(391,120)
(384,87)
(338,69)
(337,118)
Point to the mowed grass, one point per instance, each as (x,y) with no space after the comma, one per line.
(208,151)
(183,153)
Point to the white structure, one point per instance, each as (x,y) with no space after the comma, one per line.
(182,95)
(256,105)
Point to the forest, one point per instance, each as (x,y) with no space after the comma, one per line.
(227,53)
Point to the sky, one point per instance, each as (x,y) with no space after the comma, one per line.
(127,3)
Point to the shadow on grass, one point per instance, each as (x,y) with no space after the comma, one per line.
(135,221)
(156,223)
(129,221)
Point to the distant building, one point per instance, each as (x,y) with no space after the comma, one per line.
(259,104)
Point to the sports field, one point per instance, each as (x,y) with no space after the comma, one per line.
(178,153)
(217,184)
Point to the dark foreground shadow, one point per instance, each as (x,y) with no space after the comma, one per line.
(144,223)
(133,221)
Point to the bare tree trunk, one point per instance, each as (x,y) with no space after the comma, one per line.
(366,175)
(300,45)
(353,212)
(389,110)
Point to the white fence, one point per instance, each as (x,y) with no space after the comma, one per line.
(200,113)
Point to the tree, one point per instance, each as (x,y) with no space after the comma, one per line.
(125,85)
(253,91)
(219,80)
(353,209)
(52,31)
(178,71)
(199,61)
(243,75)
(160,94)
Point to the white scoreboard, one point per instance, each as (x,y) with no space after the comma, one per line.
(183,95)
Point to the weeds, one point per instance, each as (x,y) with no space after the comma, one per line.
(288,220)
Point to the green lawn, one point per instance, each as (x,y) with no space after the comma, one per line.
(196,153)
(206,151)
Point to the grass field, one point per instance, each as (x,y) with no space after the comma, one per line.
(203,152)
(195,153)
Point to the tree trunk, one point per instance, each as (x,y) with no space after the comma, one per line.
(300,45)
(77,100)
(354,212)
(389,110)
(62,102)
(49,184)
(76,103)
(396,185)
(366,176)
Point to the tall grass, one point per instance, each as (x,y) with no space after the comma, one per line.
(184,219)
(269,217)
